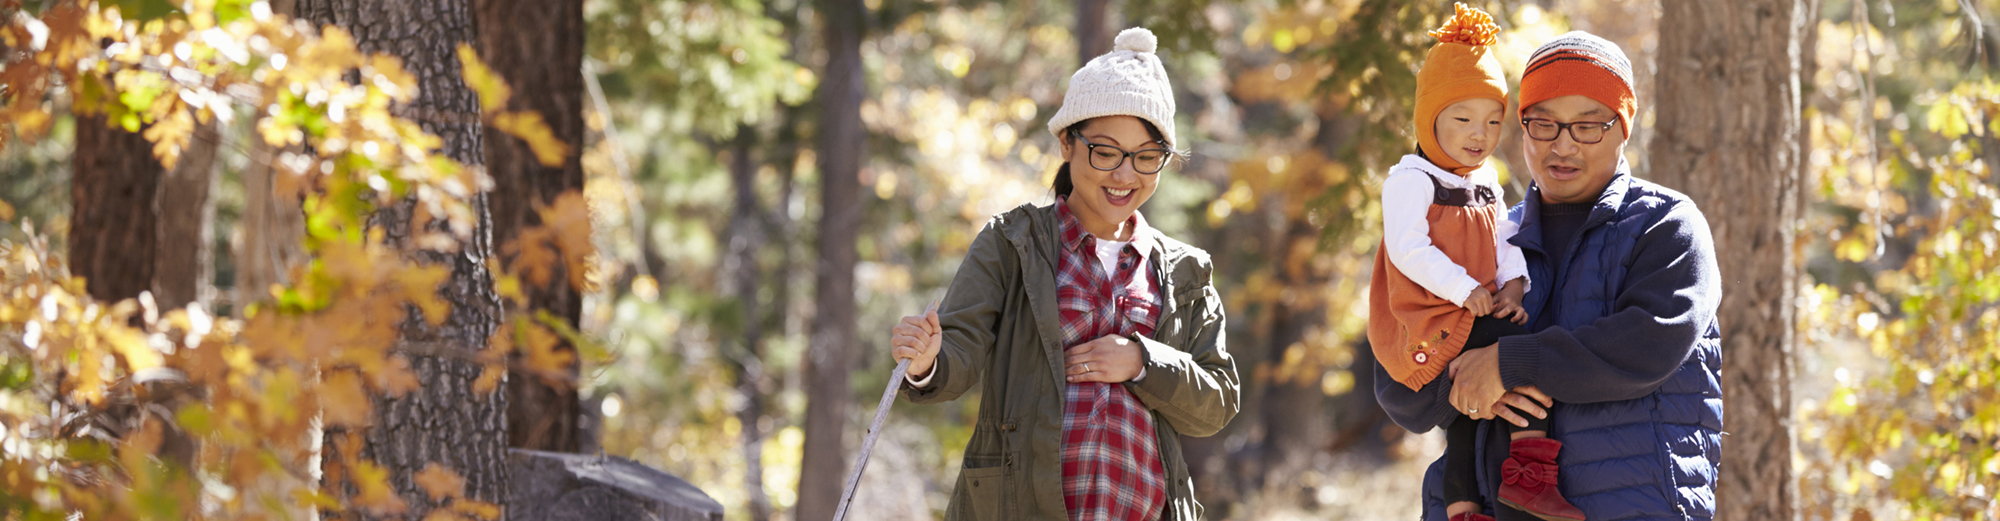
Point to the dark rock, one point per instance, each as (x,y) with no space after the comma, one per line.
(581,487)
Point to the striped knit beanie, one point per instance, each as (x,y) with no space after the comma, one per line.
(1460,67)
(1128,81)
(1581,63)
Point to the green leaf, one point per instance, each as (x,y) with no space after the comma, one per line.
(143,10)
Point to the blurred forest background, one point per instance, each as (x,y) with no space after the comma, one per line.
(700,218)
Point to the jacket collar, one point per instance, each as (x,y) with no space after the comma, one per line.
(1037,230)
(1072,234)
(1608,203)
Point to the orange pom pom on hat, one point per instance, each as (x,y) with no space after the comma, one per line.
(1460,67)
(1584,64)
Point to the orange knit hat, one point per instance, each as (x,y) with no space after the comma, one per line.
(1460,67)
(1583,64)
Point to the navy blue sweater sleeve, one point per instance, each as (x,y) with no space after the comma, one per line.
(1671,290)
(1417,410)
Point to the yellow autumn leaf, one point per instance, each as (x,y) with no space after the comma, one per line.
(440,482)
(480,509)
(529,127)
(420,285)
(374,492)
(128,344)
(492,90)
(443,515)
(568,220)
(489,378)
(544,355)
(343,399)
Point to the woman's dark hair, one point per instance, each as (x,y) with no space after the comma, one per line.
(1063,185)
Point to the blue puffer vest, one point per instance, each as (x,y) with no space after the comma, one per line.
(1652,458)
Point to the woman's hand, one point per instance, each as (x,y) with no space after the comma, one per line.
(1108,359)
(917,338)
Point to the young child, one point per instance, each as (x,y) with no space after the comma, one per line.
(1445,277)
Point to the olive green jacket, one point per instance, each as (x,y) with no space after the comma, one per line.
(1001,322)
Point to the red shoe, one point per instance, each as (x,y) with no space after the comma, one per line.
(1528,480)
(1471,516)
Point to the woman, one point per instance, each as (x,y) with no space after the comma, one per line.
(1099,340)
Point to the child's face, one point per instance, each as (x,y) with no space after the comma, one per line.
(1468,130)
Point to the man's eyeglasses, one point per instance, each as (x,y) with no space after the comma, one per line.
(1584,132)
(1107,157)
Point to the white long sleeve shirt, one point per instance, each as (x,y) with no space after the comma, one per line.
(1406,230)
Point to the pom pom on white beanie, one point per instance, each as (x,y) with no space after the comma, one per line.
(1128,81)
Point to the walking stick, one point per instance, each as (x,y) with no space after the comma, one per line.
(868,443)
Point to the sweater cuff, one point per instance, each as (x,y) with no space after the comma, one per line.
(1461,290)
(1520,360)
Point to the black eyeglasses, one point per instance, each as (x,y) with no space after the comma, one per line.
(1107,157)
(1584,132)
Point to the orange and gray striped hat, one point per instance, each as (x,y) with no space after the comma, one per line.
(1581,63)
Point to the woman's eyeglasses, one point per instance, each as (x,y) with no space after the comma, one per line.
(1108,158)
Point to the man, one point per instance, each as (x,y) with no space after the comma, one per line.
(1624,288)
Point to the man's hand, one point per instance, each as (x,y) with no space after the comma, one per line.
(1528,399)
(1507,305)
(1476,385)
(1108,359)
(1480,302)
(917,338)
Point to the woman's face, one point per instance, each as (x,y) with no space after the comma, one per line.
(1105,199)
(1468,130)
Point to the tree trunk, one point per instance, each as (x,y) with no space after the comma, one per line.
(137,227)
(1093,29)
(1293,412)
(183,265)
(1729,136)
(113,185)
(272,227)
(445,421)
(742,272)
(830,350)
(537,47)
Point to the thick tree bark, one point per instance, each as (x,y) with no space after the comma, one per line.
(113,185)
(1728,135)
(139,227)
(830,350)
(445,421)
(537,47)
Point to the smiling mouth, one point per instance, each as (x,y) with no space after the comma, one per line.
(1476,151)
(1119,196)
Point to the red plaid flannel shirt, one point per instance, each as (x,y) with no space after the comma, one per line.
(1111,456)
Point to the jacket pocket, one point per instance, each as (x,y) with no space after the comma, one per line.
(980,494)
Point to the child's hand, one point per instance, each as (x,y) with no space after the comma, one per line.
(1480,302)
(1507,305)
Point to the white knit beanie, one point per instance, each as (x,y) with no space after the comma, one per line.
(1128,81)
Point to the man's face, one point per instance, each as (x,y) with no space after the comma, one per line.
(1567,170)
